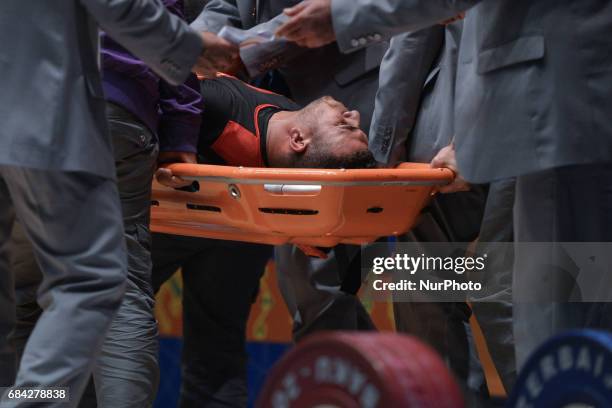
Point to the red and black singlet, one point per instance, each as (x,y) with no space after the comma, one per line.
(235,121)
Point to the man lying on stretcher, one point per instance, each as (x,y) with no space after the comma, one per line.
(247,126)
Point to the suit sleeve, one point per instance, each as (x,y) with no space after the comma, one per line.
(403,71)
(146,29)
(359,23)
(216,15)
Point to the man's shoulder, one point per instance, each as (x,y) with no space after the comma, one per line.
(251,95)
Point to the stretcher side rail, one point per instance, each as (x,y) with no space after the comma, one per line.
(313,207)
(404,174)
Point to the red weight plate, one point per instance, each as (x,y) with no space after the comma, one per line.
(360,370)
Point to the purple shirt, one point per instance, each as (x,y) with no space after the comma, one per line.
(173,113)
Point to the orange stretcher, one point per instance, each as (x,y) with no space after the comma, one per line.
(308,207)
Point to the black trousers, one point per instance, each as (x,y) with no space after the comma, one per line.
(449,218)
(220,283)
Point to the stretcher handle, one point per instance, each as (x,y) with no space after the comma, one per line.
(293,189)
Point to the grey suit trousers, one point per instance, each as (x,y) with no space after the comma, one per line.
(127,372)
(455,217)
(444,326)
(566,204)
(73,222)
(312,289)
(493,309)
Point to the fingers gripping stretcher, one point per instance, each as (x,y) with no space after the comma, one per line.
(307,207)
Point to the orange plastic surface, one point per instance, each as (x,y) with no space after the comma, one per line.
(315,207)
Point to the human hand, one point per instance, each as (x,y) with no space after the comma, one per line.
(310,24)
(218,55)
(164,175)
(446,158)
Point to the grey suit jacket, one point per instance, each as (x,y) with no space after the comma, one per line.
(409,66)
(414,109)
(413,120)
(51,105)
(434,126)
(533,79)
(351,79)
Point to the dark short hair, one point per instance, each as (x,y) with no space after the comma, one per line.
(316,159)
